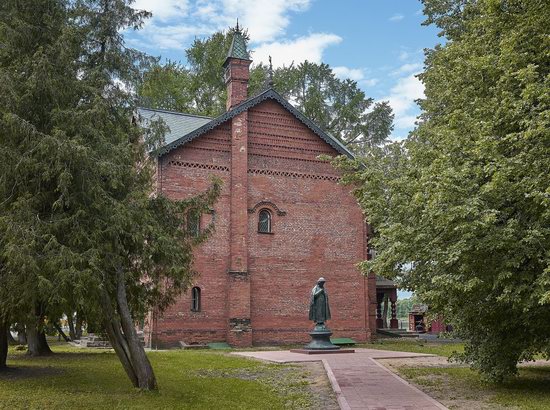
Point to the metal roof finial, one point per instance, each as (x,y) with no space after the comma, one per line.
(270,74)
(237,29)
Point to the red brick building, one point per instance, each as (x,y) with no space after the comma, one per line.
(282,221)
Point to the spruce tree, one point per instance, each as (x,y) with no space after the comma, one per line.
(81,223)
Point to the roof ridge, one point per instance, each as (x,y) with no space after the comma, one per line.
(176,112)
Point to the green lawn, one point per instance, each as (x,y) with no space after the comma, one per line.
(460,387)
(87,378)
(415,346)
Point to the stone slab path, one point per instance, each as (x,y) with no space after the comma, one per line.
(359,381)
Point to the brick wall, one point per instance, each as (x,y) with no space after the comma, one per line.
(318,230)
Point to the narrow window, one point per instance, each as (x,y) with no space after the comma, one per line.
(264,221)
(193,223)
(196,299)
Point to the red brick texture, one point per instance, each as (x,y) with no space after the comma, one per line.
(237,75)
(255,286)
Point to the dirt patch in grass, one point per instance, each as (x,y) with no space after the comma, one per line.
(458,387)
(319,385)
(424,373)
(303,385)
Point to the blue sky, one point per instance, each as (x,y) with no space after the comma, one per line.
(378,43)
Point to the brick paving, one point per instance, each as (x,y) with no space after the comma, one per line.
(359,381)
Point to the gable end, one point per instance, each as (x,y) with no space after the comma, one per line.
(251,102)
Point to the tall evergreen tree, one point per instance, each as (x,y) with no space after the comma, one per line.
(78,219)
(464,203)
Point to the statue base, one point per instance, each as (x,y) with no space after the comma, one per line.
(320,343)
(320,339)
(328,351)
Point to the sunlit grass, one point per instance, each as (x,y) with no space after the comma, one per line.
(416,346)
(87,378)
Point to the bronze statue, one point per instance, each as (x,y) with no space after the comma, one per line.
(319,310)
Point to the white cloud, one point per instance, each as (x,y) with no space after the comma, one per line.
(403,94)
(408,68)
(343,73)
(175,37)
(176,22)
(357,74)
(402,100)
(369,82)
(163,9)
(406,121)
(396,17)
(264,19)
(285,52)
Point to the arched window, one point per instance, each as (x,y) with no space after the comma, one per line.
(264,221)
(193,223)
(196,299)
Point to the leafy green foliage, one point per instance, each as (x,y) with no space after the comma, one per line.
(462,208)
(76,179)
(339,107)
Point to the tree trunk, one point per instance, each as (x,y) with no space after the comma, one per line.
(61,332)
(124,339)
(78,327)
(11,340)
(21,334)
(4,328)
(37,343)
(385,312)
(70,322)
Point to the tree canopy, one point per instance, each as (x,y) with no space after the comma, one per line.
(462,207)
(338,106)
(78,221)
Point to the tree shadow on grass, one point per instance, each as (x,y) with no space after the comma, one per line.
(29,372)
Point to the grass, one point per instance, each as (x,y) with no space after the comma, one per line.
(415,346)
(87,378)
(460,387)
(463,388)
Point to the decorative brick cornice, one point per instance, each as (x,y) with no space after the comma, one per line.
(269,204)
(187,164)
(292,174)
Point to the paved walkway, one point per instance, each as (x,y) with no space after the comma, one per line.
(359,381)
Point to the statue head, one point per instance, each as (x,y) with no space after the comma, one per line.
(321,281)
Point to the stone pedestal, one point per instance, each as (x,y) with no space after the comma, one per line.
(320,339)
(320,343)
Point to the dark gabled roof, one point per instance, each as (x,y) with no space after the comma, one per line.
(244,106)
(178,123)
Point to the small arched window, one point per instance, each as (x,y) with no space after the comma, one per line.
(196,299)
(264,221)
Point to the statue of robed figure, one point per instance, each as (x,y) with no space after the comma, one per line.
(319,310)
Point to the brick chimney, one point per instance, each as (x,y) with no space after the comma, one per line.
(237,71)
(239,329)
